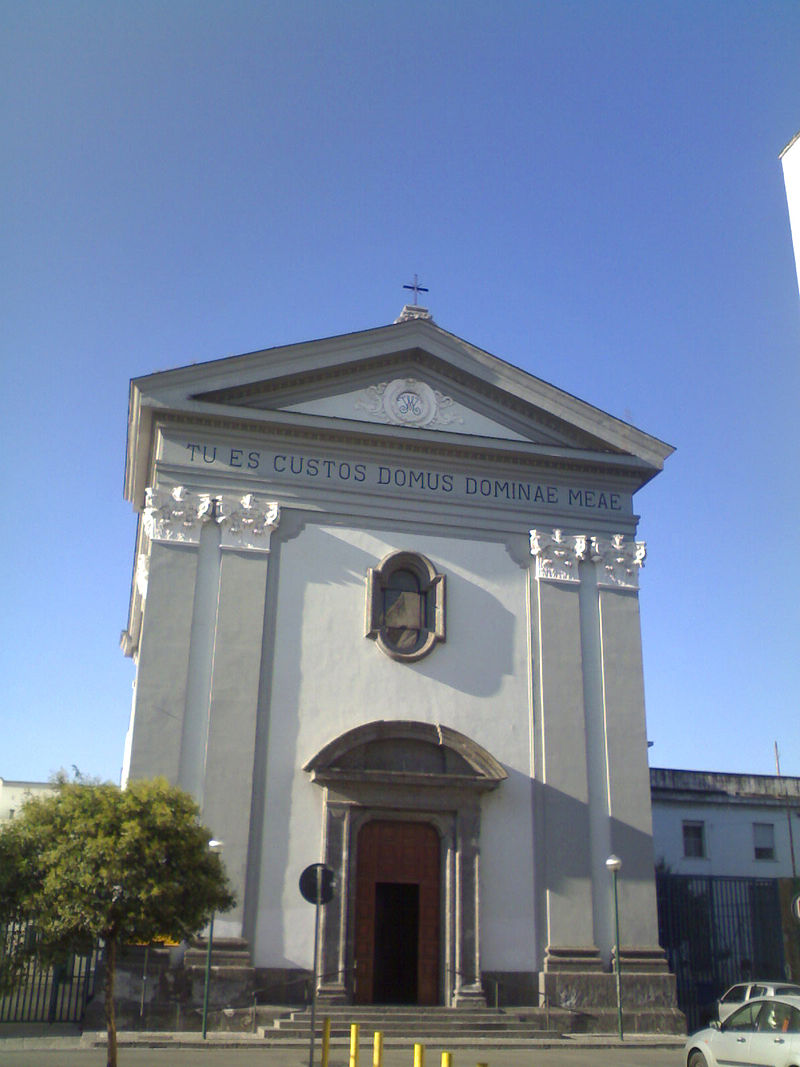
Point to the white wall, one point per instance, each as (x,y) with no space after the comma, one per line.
(728,839)
(328,678)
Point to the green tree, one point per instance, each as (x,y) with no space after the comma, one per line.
(94,862)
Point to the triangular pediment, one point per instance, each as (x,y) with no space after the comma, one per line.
(415,390)
(412,379)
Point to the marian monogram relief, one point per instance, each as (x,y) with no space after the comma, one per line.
(408,402)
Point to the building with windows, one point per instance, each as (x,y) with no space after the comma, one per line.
(726,848)
(737,825)
(385,617)
(14,794)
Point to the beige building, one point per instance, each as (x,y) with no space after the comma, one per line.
(14,794)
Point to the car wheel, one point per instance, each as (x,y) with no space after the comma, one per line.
(697,1059)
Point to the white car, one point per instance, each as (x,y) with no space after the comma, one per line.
(764,1031)
(742,992)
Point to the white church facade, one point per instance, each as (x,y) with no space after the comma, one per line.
(385,616)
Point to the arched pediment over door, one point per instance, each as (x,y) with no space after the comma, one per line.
(409,772)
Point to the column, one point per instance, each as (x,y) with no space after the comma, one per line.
(562,847)
(166,578)
(468,989)
(335,985)
(617,564)
(246,525)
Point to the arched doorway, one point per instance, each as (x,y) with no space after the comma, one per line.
(400,773)
(397,913)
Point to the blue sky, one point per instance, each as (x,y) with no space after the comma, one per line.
(590,190)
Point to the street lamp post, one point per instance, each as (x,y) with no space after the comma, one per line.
(614,864)
(213,846)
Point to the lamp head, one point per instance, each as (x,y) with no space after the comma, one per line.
(215,846)
(613,863)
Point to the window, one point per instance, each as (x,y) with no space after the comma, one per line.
(694,840)
(744,1018)
(780,1017)
(764,840)
(735,993)
(405,605)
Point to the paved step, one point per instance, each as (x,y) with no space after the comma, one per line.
(543,1038)
(405,1026)
(421,1032)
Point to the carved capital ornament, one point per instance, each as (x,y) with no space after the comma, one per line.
(558,556)
(618,561)
(177,515)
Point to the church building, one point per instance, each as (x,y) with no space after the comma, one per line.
(384,616)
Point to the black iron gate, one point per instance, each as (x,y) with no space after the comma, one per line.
(45,994)
(717,931)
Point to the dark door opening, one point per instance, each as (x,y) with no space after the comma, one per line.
(396,935)
(396,943)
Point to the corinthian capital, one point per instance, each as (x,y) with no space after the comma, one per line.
(176,514)
(557,554)
(618,561)
(247,522)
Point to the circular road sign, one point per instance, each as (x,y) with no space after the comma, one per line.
(317,883)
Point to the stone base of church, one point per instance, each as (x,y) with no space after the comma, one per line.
(574,981)
(469,997)
(161,988)
(231,976)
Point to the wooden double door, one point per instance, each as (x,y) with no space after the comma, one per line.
(397,918)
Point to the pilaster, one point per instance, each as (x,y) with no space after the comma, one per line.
(467,987)
(246,525)
(562,856)
(617,564)
(166,578)
(203,576)
(596,639)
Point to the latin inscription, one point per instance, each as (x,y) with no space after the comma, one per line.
(415,479)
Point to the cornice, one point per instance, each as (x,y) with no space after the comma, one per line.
(500,399)
(618,466)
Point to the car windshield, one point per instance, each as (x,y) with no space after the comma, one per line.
(734,993)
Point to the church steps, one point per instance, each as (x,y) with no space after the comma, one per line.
(409,1025)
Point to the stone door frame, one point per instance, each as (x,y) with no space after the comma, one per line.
(355,792)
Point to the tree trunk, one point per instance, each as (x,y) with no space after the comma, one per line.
(111,1020)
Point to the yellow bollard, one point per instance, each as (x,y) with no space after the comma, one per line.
(353,1044)
(326,1040)
(447,1059)
(377,1049)
(419,1056)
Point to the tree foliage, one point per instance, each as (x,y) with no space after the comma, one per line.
(94,862)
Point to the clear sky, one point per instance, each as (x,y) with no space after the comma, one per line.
(590,190)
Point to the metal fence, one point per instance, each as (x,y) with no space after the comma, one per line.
(717,931)
(56,994)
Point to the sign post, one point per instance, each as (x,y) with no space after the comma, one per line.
(317,884)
